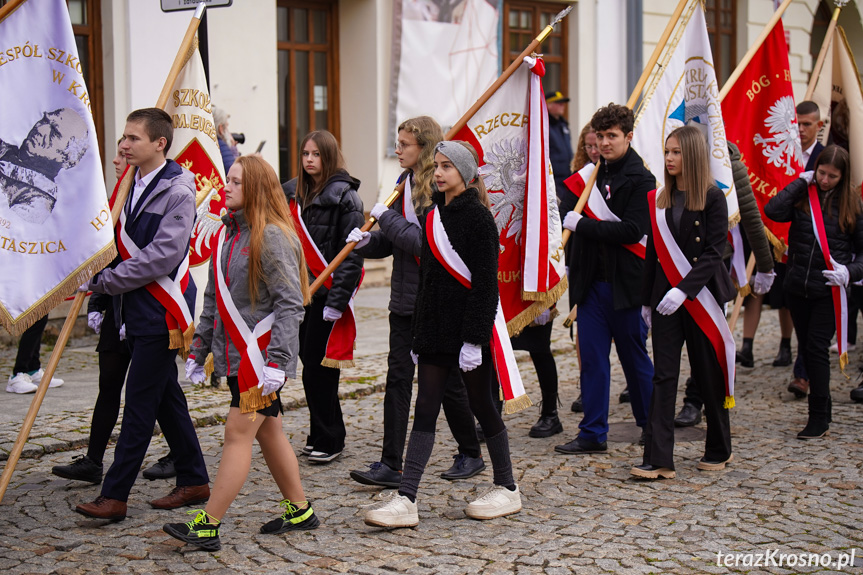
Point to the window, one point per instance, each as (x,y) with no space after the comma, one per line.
(522,21)
(721,16)
(308,88)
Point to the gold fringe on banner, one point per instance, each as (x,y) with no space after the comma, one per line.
(526,317)
(209,366)
(337,363)
(516,404)
(734,220)
(57,295)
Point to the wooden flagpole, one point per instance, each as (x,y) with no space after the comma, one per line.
(633,98)
(825,45)
(738,71)
(328,271)
(120,200)
(5,11)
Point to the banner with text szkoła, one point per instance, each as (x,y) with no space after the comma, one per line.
(55,224)
(196,148)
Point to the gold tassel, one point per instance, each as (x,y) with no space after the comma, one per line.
(526,317)
(337,363)
(779,247)
(516,404)
(251,400)
(843,361)
(209,365)
(734,220)
(729,402)
(175,339)
(745,290)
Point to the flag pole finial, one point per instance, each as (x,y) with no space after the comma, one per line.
(199,10)
(548,29)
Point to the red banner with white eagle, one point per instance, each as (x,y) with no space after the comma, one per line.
(196,148)
(510,135)
(761,119)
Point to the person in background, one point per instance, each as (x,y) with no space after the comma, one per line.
(559,140)
(227,145)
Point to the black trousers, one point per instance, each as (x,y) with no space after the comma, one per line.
(321,384)
(27,359)
(536,340)
(152,391)
(669,335)
(815,325)
(397,399)
(112,375)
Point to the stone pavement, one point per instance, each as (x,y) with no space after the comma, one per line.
(581,514)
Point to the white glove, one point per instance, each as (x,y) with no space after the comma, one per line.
(571,220)
(646,315)
(671,302)
(838,276)
(94,320)
(378,210)
(762,282)
(543,318)
(415,358)
(84,287)
(273,380)
(331,313)
(470,357)
(122,332)
(195,372)
(808,176)
(359,236)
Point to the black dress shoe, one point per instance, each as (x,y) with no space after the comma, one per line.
(547,426)
(624,396)
(82,468)
(783,358)
(463,467)
(857,394)
(745,359)
(688,416)
(162,469)
(577,405)
(379,474)
(578,446)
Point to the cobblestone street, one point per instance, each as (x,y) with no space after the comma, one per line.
(581,513)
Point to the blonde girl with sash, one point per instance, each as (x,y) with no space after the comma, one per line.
(684,289)
(453,323)
(825,255)
(253,306)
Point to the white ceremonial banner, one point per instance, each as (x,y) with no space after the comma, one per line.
(55,224)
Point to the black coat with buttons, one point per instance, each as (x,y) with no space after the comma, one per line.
(702,237)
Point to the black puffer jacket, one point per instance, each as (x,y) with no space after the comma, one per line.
(805,262)
(447,313)
(403,240)
(750,215)
(329,218)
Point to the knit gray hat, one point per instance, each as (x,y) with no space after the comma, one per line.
(461,158)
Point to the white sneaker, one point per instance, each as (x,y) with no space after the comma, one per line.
(20,383)
(398,511)
(496,502)
(37,378)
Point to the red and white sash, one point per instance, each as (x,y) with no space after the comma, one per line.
(250,343)
(408,208)
(704,309)
(514,396)
(596,207)
(167,291)
(343,336)
(840,296)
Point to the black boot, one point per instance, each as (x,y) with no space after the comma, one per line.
(857,394)
(783,356)
(744,356)
(819,418)
(548,425)
(577,405)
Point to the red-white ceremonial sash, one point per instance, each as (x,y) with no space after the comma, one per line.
(250,343)
(704,309)
(167,291)
(514,396)
(596,207)
(408,208)
(840,296)
(738,260)
(340,345)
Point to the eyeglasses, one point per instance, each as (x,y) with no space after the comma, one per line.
(588,148)
(399,146)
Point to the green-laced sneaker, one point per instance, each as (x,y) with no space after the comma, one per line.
(198,532)
(293,519)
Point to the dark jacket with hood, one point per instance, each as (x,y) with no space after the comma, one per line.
(447,313)
(329,218)
(803,275)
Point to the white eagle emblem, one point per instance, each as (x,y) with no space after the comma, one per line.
(783,148)
(207,224)
(504,174)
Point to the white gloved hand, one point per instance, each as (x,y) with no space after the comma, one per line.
(359,236)
(273,380)
(94,320)
(671,302)
(470,357)
(415,358)
(84,287)
(762,281)
(571,220)
(331,313)
(195,372)
(808,176)
(543,318)
(122,332)
(838,276)
(646,312)
(378,210)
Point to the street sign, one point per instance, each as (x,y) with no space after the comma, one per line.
(175,5)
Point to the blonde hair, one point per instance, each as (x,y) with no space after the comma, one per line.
(427,133)
(694,178)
